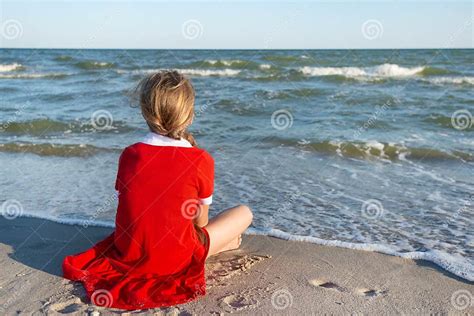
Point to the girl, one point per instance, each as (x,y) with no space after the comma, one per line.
(155,257)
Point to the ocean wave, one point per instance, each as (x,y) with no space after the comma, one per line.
(46,126)
(59,150)
(228,63)
(456,265)
(233,64)
(51,75)
(375,150)
(451,80)
(91,65)
(188,71)
(209,73)
(381,71)
(284,58)
(277,75)
(269,73)
(434,71)
(10,67)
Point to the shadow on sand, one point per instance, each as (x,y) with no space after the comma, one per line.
(42,244)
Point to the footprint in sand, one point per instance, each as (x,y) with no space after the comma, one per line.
(327,285)
(70,306)
(369,292)
(237,303)
(223,268)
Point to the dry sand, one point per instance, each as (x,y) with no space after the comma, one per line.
(267,276)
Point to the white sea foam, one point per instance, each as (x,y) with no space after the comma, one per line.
(31,75)
(210,72)
(226,62)
(265,66)
(366,147)
(101,64)
(9,67)
(451,80)
(454,264)
(376,145)
(381,71)
(70,221)
(192,72)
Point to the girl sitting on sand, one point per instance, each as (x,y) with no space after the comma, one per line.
(155,257)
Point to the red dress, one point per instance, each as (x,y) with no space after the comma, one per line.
(155,257)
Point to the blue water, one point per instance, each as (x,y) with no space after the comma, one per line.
(369,149)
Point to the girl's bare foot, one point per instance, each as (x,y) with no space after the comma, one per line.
(234,244)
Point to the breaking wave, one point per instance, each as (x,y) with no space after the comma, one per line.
(451,80)
(10,67)
(382,71)
(233,64)
(377,150)
(190,71)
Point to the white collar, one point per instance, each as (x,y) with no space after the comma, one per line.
(161,140)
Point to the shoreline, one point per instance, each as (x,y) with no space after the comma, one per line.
(444,264)
(266,276)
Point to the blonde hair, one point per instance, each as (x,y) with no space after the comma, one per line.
(166,100)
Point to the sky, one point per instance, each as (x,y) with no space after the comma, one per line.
(236,25)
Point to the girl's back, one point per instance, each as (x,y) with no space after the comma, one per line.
(155,257)
(159,188)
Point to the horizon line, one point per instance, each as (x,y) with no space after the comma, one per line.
(249,49)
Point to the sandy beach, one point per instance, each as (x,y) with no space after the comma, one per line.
(266,276)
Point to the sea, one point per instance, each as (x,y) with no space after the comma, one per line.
(363,149)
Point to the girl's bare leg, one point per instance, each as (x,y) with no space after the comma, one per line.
(225,229)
